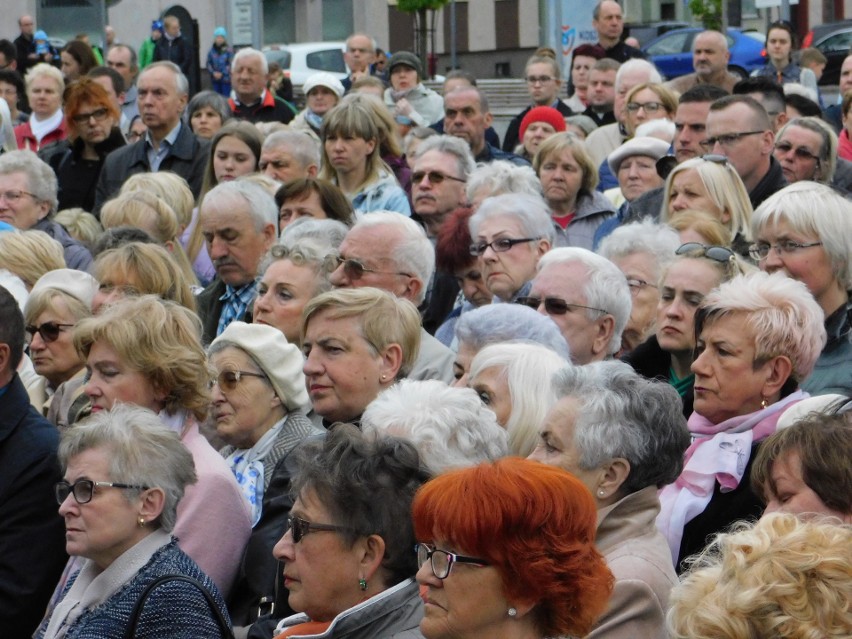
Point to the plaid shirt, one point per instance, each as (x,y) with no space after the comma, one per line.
(236,304)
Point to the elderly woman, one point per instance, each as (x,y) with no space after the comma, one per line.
(624,437)
(634,164)
(759,335)
(569,179)
(310,197)
(804,469)
(29,199)
(30,255)
(293,276)
(322,91)
(207,112)
(783,577)
(642,251)
(710,184)
(513,380)
(410,102)
(537,125)
(806,149)
(499,178)
(46,125)
(92,119)
(804,232)
(478,528)
(669,352)
(147,352)
(258,403)
(347,548)
(509,234)
(357,342)
(125,474)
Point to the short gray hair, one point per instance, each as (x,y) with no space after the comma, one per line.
(249,52)
(329,232)
(181,81)
(261,204)
(500,177)
(41,180)
(450,427)
(141,452)
(623,414)
(450,145)
(509,322)
(414,253)
(530,211)
(827,147)
(638,64)
(657,240)
(606,287)
(301,145)
(307,252)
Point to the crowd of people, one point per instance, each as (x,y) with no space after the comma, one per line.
(363,369)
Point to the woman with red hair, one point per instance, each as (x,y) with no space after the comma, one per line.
(510,553)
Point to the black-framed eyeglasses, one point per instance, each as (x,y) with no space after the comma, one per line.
(500,245)
(555,305)
(721,254)
(726,139)
(353,268)
(49,331)
(84,489)
(98,114)
(301,527)
(760,250)
(435,177)
(650,107)
(441,561)
(229,380)
(800,152)
(637,285)
(539,79)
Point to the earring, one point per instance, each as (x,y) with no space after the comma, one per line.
(763,402)
(362,584)
(601,493)
(384,377)
(512,612)
(141,522)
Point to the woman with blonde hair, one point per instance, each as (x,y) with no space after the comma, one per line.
(390,141)
(46,125)
(169,187)
(648,101)
(81,225)
(30,254)
(702,227)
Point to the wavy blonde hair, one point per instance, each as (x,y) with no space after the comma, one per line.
(30,254)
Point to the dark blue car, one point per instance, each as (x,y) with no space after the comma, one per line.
(672,52)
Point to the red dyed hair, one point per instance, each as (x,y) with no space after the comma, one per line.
(452,246)
(535,524)
(86,90)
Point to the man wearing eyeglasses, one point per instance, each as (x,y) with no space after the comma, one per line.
(739,128)
(31,532)
(439,175)
(360,58)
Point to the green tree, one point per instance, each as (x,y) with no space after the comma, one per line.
(708,11)
(424,24)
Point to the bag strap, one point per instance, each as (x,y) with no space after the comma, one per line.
(133,621)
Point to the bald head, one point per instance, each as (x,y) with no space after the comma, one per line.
(710,55)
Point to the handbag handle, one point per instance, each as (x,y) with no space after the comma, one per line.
(133,621)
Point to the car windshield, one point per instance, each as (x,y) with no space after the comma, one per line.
(328,60)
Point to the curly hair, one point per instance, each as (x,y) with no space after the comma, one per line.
(783,577)
(536,525)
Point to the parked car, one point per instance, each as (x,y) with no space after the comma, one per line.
(647,31)
(834,40)
(300,60)
(672,52)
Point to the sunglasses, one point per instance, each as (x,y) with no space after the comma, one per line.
(84,489)
(229,380)
(49,331)
(554,305)
(800,152)
(435,177)
(353,268)
(719,254)
(302,527)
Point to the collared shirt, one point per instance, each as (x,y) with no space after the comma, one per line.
(157,155)
(236,304)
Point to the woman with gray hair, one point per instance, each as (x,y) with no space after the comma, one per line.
(624,437)
(125,474)
(206,113)
(450,427)
(46,126)
(498,178)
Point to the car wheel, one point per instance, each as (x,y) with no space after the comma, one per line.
(741,73)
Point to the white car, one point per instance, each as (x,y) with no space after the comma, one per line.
(303,59)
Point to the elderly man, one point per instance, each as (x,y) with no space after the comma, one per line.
(168,145)
(359,56)
(806,148)
(439,173)
(467,116)
(25,44)
(239,222)
(251,100)
(601,91)
(30,530)
(122,58)
(389,251)
(739,128)
(710,58)
(608,21)
(28,199)
(289,155)
(587,297)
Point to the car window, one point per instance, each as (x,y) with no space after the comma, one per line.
(671,44)
(837,42)
(280,56)
(327,60)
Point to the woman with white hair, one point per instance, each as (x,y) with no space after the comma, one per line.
(513,380)
(46,125)
(805,232)
(450,427)
(759,336)
(498,178)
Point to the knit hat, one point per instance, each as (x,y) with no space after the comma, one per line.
(220,31)
(542,114)
(157,25)
(279,360)
(323,79)
(70,281)
(408,59)
(40,35)
(649,147)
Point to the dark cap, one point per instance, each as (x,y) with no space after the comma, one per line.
(408,59)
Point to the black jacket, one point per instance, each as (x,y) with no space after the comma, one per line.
(652,362)
(510,140)
(178,51)
(770,183)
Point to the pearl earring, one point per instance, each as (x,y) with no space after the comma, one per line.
(512,612)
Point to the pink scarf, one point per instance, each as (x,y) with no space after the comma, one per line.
(844,146)
(719,453)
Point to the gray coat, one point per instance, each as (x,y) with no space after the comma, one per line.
(592,210)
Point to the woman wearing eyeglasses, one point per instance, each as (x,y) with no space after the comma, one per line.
(804,232)
(507,550)
(147,352)
(348,548)
(92,119)
(124,476)
(758,337)
(258,409)
(356,342)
